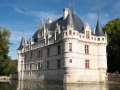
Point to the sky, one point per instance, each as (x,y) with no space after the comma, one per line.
(20,16)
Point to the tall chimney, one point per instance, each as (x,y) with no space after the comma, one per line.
(49,20)
(65,12)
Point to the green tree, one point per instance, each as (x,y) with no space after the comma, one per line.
(12,67)
(112,28)
(4,49)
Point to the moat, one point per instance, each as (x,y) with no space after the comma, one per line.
(27,85)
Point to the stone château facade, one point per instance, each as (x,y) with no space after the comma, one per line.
(65,50)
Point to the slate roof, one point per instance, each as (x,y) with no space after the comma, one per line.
(72,18)
(22,43)
(35,36)
(98,30)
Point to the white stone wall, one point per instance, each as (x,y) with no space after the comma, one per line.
(72,63)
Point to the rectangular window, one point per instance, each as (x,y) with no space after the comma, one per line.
(98,39)
(30,66)
(70,32)
(58,64)
(70,46)
(58,49)
(102,39)
(83,36)
(41,66)
(70,60)
(31,55)
(86,49)
(66,33)
(57,36)
(47,64)
(38,66)
(73,33)
(39,53)
(92,38)
(48,51)
(87,35)
(80,36)
(25,67)
(87,64)
(25,57)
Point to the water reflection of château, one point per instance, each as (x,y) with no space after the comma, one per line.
(27,85)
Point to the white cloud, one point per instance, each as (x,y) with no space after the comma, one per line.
(39,14)
(45,15)
(106,15)
(91,18)
(16,35)
(20,11)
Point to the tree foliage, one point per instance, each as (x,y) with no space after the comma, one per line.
(4,49)
(12,67)
(7,66)
(112,28)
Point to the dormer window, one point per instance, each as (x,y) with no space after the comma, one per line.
(40,34)
(57,36)
(87,35)
(70,32)
(95,39)
(66,33)
(83,36)
(58,47)
(73,33)
(80,36)
(92,38)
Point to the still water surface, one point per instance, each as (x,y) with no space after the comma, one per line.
(15,85)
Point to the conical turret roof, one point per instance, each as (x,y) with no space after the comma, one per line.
(22,44)
(98,30)
(70,19)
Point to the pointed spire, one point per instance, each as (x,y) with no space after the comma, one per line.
(23,33)
(38,27)
(99,31)
(22,44)
(70,19)
(69,4)
(97,15)
(73,7)
(41,20)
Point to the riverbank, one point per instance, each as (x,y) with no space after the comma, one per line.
(7,78)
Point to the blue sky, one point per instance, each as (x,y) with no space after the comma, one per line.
(17,15)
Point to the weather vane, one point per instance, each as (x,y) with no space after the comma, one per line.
(97,14)
(23,32)
(69,4)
